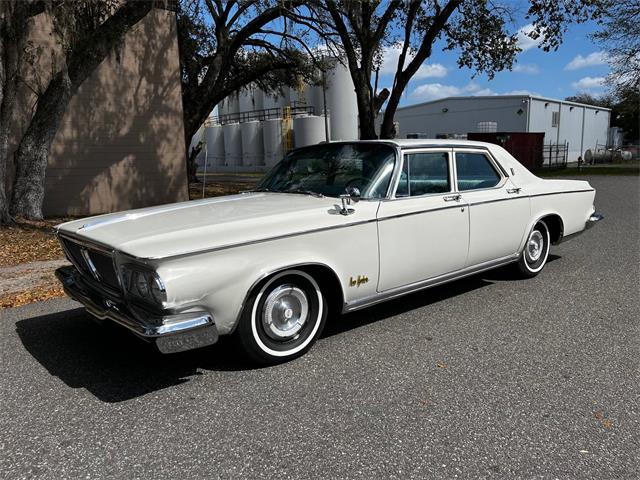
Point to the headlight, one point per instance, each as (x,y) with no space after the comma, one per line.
(144,284)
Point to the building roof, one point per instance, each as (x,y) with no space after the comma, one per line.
(497,97)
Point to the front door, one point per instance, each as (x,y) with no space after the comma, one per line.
(423,230)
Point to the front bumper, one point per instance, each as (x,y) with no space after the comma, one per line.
(171,333)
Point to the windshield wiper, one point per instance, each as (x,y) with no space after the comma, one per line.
(304,192)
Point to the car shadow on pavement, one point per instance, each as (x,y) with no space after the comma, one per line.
(110,362)
(115,366)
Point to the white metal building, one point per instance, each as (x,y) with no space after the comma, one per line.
(581,126)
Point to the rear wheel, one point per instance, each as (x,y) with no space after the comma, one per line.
(282,318)
(536,250)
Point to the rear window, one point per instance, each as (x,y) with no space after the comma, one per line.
(475,171)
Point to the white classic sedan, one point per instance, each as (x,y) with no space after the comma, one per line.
(334,227)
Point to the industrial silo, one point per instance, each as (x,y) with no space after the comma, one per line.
(272,133)
(232,144)
(251,99)
(229,105)
(341,103)
(275,100)
(214,138)
(252,144)
(308,130)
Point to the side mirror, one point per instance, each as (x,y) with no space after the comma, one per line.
(354,193)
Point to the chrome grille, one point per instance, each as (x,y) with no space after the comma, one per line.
(92,262)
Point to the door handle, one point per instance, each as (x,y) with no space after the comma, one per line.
(452,198)
(514,190)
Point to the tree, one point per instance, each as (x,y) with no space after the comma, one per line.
(88,32)
(619,20)
(225,46)
(14,28)
(476,29)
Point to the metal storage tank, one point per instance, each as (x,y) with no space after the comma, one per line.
(275,101)
(215,145)
(252,144)
(251,99)
(342,104)
(229,105)
(232,144)
(308,130)
(272,135)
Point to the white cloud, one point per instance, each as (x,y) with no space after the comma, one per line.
(521,92)
(525,42)
(528,68)
(391,55)
(593,59)
(588,83)
(434,91)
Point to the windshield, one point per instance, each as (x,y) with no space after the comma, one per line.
(329,169)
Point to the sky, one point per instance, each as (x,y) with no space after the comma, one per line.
(577,66)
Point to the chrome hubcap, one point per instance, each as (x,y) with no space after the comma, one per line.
(535,245)
(285,312)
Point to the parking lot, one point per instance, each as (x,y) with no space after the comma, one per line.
(485,377)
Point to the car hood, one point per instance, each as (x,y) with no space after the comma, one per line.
(183,228)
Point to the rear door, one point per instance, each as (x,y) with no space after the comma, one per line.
(423,229)
(498,210)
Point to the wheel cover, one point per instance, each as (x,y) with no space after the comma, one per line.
(285,312)
(535,246)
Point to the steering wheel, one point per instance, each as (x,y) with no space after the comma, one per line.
(358,181)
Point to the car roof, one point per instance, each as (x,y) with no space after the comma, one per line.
(426,142)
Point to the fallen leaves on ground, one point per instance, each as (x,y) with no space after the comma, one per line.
(218,189)
(29,241)
(37,294)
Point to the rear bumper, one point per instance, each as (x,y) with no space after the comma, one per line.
(171,333)
(594,218)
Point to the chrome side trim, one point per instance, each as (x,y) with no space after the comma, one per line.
(432,282)
(419,212)
(562,193)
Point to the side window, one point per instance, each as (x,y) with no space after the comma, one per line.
(475,171)
(424,173)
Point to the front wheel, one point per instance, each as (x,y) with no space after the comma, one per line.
(536,250)
(282,318)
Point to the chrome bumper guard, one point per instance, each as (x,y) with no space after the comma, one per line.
(593,219)
(171,333)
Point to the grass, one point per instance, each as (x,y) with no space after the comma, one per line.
(624,170)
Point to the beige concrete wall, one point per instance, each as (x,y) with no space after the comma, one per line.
(121,142)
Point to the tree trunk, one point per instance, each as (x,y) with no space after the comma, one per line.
(366,114)
(387,129)
(33,151)
(6,102)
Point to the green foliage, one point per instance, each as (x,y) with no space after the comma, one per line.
(620,36)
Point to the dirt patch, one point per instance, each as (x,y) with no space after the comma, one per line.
(29,282)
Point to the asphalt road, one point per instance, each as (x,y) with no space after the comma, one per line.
(486,377)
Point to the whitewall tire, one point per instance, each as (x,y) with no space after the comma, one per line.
(536,250)
(282,318)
